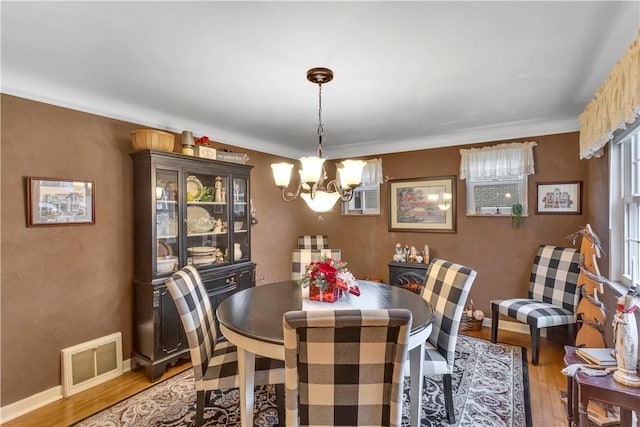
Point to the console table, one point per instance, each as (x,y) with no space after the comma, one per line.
(582,388)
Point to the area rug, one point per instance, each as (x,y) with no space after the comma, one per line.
(490,388)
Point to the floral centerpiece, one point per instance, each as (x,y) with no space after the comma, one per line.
(328,279)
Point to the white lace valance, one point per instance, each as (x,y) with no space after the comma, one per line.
(372,172)
(498,161)
(615,104)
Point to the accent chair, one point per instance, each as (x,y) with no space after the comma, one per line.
(215,364)
(553,296)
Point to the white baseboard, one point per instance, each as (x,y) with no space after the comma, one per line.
(38,400)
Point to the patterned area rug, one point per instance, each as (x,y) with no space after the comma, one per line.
(490,386)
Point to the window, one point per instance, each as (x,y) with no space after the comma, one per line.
(366,197)
(625,209)
(366,201)
(497,177)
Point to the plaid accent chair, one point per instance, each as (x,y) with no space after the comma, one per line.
(345,367)
(215,365)
(313,242)
(553,295)
(301,258)
(446,288)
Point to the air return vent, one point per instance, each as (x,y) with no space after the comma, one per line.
(90,363)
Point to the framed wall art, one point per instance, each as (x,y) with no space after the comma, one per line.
(562,197)
(423,204)
(53,201)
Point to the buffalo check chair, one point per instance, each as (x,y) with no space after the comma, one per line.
(215,364)
(345,367)
(553,295)
(446,288)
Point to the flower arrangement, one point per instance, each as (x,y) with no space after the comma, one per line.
(328,279)
(203,140)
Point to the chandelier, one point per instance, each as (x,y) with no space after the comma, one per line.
(313,187)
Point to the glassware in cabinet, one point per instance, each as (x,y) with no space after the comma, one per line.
(166,221)
(241,219)
(207,219)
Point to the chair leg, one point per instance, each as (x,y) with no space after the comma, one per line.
(535,344)
(200,408)
(448,398)
(494,323)
(280,403)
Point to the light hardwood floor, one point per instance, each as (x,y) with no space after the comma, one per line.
(545,384)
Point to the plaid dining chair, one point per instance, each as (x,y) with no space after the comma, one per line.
(553,295)
(214,363)
(345,367)
(446,288)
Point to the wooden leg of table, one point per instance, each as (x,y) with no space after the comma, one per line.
(570,398)
(416,357)
(584,404)
(246,374)
(574,407)
(625,417)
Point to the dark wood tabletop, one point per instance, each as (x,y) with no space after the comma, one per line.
(257,312)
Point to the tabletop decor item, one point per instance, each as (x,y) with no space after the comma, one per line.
(152,139)
(626,339)
(328,279)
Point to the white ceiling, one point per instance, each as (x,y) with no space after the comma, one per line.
(408,75)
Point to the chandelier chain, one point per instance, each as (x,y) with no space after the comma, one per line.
(320,125)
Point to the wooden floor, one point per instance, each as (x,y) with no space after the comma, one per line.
(545,384)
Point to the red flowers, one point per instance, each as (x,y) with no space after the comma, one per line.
(203,140)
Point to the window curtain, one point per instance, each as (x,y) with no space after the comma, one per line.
(500,161)
(615,105)
(372,172)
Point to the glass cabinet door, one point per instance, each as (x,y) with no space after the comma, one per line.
(166,221)
(207,219)
(241,219)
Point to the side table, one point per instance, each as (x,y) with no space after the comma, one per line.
(604,389)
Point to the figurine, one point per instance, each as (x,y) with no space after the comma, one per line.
(397,256)
(412,254)
(217,228)
(218,193)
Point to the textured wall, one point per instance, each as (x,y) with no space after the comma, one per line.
(65,285)
(501,254)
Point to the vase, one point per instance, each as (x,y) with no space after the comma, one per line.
(626,347)
(330,293)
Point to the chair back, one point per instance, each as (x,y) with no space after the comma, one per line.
(345,367)
(196,314)
(313,242)
(446,288)
(554,277)
(301,258)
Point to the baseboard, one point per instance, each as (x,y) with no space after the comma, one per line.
(38,400)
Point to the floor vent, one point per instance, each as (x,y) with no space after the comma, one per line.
(90,363)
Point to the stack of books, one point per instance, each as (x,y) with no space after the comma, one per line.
(597,356)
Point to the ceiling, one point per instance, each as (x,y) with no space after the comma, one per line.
(408,75)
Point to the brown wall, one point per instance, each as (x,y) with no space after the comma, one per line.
(501,254)
(65,285)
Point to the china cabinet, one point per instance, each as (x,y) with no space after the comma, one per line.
(187,211)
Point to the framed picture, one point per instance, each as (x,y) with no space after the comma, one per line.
(423,204)
(52,201)
(563,197)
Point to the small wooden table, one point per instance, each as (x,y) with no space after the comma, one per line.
(604,389)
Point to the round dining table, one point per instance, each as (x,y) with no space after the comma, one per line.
(251,319)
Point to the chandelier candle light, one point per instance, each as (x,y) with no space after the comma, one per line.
(318,195)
